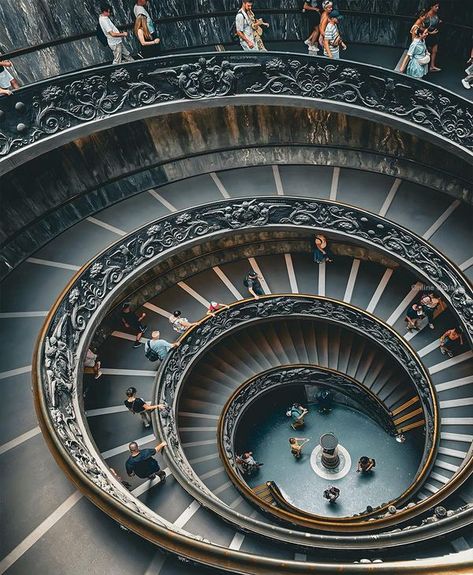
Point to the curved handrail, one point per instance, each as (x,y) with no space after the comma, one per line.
(43,116)
(64,339)
(300,374)
(200,338)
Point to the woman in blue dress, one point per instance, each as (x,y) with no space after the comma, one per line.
(416,60)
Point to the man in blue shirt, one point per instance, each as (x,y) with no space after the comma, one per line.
(298,413)
(142,463)
(160,347)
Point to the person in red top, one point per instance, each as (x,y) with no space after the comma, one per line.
(450,341)
(214,307)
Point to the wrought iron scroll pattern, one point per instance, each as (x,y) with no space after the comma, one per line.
(48,108)
(65,336)
(298,375)
(181,359)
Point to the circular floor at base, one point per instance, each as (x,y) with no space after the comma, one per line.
(396,463)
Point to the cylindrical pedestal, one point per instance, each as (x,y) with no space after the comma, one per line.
(329,444)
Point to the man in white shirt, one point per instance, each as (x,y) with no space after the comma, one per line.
(244,27)
(114,37)
(140,8)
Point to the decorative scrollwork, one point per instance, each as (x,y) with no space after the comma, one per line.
(299,375)
(70,328)
(353,84)
(204,78)
(93,95)
(202,337)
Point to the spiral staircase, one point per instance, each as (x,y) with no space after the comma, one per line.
(184,232)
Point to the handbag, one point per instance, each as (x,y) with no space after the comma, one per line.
(423,60)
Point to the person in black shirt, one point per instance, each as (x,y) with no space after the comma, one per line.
(414,314)
(133,322)
(332,494)
(365,464)
(137,405)
(142,463)
(252,282)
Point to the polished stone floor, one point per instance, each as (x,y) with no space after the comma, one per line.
(396,463)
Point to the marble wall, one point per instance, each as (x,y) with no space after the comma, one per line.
(36,22)
(68,184)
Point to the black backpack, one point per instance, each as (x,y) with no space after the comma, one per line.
(233,31)
(100,35)
(246,283)
(150,353)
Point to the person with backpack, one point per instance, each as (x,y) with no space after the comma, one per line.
(248,28)
(138,406)
(252,282)
(157,348)
(141,9)
(106,28)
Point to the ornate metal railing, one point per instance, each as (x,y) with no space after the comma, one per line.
(178,365)
(359,396)
(58,358)
(346,388)
(45,115)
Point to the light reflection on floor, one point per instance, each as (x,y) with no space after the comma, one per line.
(397,463)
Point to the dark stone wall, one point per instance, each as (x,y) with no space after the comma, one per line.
(56,190)
(191,23)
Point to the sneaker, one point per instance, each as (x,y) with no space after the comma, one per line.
(313,48)
(99,374)
(162,477)
(136,344)
(443,351)
(431,325)
(466,84)
(307,42)
(147,425)
(450,353)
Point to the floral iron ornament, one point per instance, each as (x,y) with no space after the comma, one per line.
(43,110)
(66,335)
(355,85)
